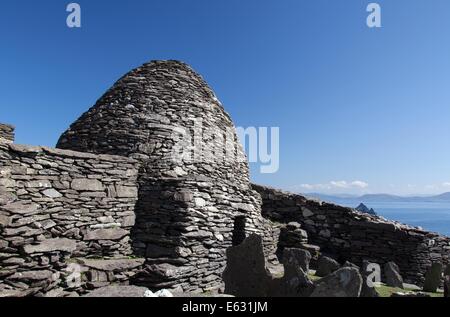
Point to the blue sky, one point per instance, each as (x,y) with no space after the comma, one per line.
(359,110)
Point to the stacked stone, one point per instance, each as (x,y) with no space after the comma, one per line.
(100,273)
(55,205)
(271,241)
(6,133)
(293,236)
(355,237)
(188,201)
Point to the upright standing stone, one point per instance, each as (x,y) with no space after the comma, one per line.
(246,274)
(345,282)
(447,286)
(447,270)
(326,266)
(297,258)
(392,275)
(433,278)
(367,290)
(295,282)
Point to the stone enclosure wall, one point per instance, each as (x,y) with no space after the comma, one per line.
(6,133)
(58,205)
(352,236)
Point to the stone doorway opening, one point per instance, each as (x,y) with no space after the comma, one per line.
(239,234)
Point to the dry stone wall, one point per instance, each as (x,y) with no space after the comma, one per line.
(6,133)
(57,205)
(352,236)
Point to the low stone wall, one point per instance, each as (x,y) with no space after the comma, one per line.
(349,235)
(6,133)
(56,205)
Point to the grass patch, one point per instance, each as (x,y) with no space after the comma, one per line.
(314,277)
(387,291)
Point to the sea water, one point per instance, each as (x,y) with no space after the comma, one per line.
(431,216)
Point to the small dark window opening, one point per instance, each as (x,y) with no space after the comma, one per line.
(239,230)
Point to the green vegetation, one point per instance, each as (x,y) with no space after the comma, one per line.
(314,277)
(387,291)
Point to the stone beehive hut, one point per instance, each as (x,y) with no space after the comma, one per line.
(151,186)
(195,197)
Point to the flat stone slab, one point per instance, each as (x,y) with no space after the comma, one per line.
(32,275)
(105,234)
(120,291)
(86,184)
(17,293)
(51,245)
(20,208)
(345,282)
(112,265)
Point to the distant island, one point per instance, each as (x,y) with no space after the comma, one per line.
(385,198)
(363,208)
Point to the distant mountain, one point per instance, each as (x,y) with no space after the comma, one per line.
(363,208)
(384,198)
(442,197)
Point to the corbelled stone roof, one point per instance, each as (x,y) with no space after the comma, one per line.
(144,114)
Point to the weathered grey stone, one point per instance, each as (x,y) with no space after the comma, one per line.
(38,184)
(3,244)
(433,277)
(18,293)
(52,193)
(129,221)
(345,282)
(447,270)
(368,286)
(246,274)
(297,258)
(106,225)
(126,192)
(32,275)
(392,275)
(113,264)
(306,212)
(326,266)
(50,245)
(447,286)
(55,293)
(34,220)
(24,149)
(105,234)
(295,282)
(350,264)
(85,184)
(6,197)
(20,208)
(184,196)
(4,221)
(6,133)
(119,291)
